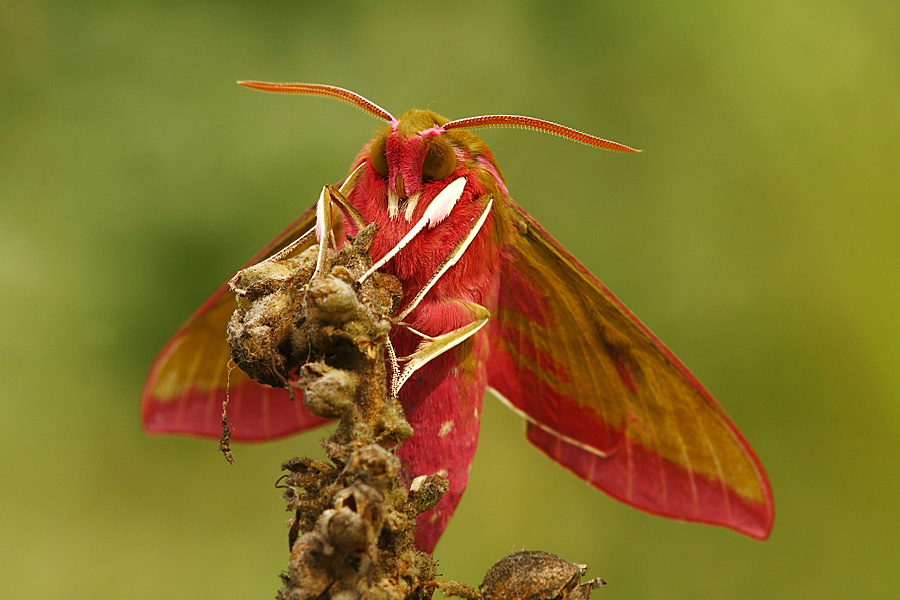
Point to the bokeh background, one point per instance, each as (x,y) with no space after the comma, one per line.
(758,235)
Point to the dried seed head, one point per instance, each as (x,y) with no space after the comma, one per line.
(374,465)
(345,530)
(328,391)
(355,522)
(268,276)
(426,491)
(536,576)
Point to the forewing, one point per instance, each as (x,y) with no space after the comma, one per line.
(190,378)
(606,399)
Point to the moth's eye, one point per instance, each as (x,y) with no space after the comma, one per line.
(378,156)
(440,160)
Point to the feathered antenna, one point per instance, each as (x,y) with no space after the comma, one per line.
(538,125)
(318,89)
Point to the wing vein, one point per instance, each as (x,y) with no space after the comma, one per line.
(707,441)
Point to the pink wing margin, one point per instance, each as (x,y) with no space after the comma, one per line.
(190,378)
(605,398)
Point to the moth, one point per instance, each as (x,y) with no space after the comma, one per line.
(599,393)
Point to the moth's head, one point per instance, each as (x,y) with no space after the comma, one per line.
(412,152)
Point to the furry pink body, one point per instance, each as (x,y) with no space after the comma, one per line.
(443,399)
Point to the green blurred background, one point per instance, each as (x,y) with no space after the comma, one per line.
(757,235)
